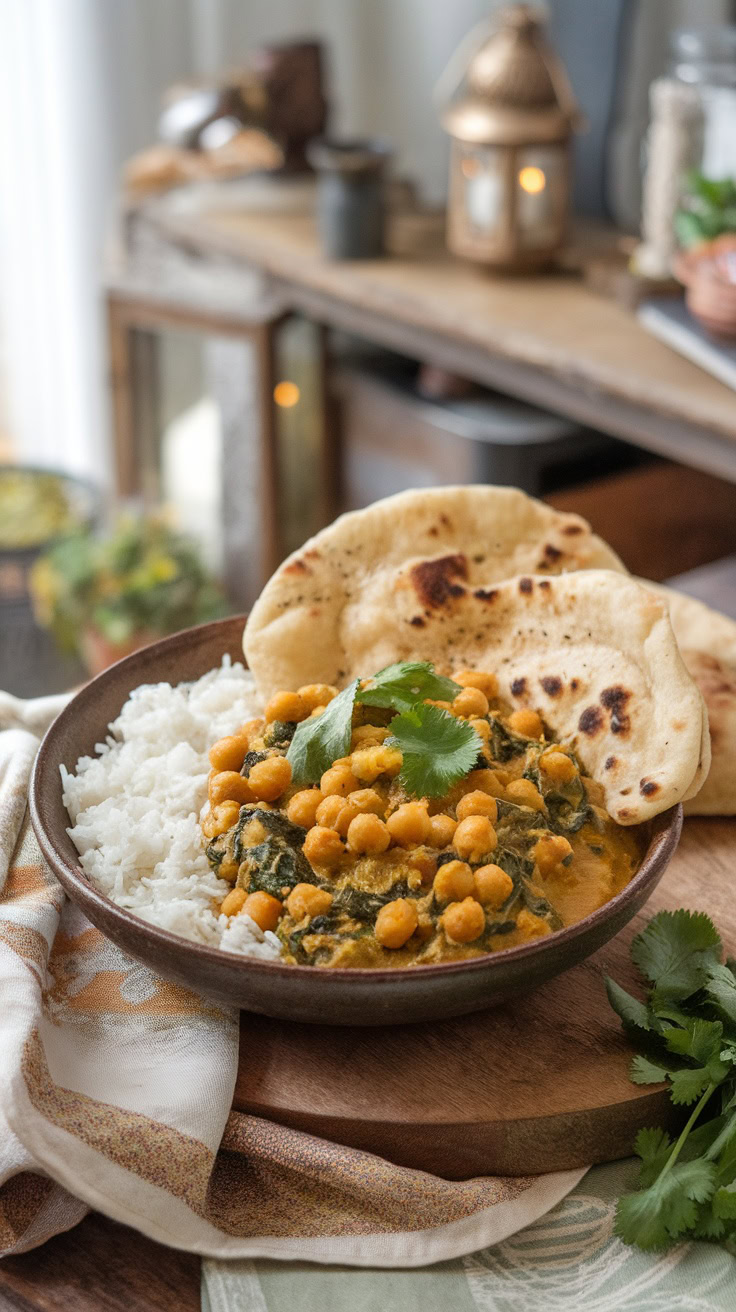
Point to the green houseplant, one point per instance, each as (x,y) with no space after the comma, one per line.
(708,209)
(103,597)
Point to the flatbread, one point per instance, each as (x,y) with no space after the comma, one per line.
(425,575)
(707,641)
(403,556)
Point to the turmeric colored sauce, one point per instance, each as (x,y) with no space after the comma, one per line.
(354,872)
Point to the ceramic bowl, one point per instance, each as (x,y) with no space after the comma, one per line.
(301,993)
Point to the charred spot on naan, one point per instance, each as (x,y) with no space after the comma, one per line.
(615,700)
(591,721)
(435,582)
(552,685)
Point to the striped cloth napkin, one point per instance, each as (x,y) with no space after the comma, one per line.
(116,1090)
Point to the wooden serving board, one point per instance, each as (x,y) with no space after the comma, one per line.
(537,1085)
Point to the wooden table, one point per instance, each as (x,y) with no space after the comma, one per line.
(101,1266)
(547,339)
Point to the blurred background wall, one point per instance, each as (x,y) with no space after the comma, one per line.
(80,89)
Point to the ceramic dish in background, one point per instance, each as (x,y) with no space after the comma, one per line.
(302,993)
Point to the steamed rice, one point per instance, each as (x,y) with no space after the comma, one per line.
(135,808)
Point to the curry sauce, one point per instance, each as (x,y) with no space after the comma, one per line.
(355,871)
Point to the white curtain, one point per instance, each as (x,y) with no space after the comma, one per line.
(80,88)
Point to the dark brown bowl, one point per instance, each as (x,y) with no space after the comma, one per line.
(303,993)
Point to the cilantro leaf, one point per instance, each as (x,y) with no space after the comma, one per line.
(644,1071)
(688,1085)
(674,951)
(654,1148)
(654,1216)
(631,1010)
(438,749)
(724,1202)
(720,985)
(402,686)
(320,741)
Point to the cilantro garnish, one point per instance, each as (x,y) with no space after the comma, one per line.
(437,749)
(320,741)
(404,685)
(687,1033)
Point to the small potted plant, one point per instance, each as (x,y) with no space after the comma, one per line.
(705,227)
(104,597)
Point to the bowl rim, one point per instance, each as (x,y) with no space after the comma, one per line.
(664,835)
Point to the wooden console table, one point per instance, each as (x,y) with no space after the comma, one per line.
(549,340)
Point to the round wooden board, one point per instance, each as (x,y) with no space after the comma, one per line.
(537,1085)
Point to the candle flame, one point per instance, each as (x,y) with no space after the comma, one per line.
(532,179)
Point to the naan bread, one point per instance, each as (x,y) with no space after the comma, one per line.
(707,641)
(403,558)
(426,576)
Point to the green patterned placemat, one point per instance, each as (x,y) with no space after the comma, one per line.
(568,1261)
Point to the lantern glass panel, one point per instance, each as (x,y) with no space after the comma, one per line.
(483,188)
(541,187)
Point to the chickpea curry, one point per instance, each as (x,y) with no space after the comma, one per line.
(409,819)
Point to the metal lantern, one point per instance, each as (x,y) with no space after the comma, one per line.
(512,129)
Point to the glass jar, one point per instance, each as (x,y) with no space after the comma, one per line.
(705,57)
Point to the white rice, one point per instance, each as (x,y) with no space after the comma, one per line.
(135,806)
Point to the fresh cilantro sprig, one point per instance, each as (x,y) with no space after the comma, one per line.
(402,686)
(320,741)
(686,1031)
(438,749)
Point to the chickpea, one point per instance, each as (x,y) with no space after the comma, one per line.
(396,922)
(485,682)
(367,799)
(524,793)
(422,864)
(492,886)
(549,851)
(471,701)
(441,830)
(228,753)
(464,921)
(441,706)
(302,808)
(329,810)
(338,781)
(558,767)
(368,762)
(366,734)
(484,781)
(308,900)
(229,786)
(483,730)
(474,837)
(526,723)
(409,824)
(323,847)
(345,817)
(263,908)
(315,695)
(252,729)
(224,816)
(270,778)
(366,833)
(531,926)
(233,902)
(453,882)
(477,803)
(286,706)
